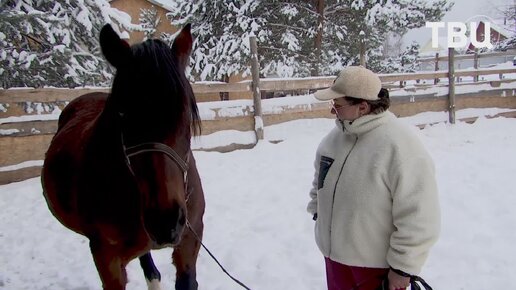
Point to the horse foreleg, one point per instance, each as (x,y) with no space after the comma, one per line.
(150,271)
(109,266)
(185,258)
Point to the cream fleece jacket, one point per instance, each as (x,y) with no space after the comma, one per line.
(377,205)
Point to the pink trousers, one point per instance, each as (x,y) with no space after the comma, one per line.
(344,277)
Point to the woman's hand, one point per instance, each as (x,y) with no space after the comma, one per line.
(397,281)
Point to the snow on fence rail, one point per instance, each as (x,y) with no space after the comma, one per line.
(473,56)
(28,117)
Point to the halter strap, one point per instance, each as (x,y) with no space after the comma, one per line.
(160,148)
(157,147)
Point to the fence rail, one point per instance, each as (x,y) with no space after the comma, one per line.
(48,95)
(467,56)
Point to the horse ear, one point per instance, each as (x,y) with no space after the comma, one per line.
(182,46)
(116,50)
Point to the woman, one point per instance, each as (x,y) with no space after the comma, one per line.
(374,195)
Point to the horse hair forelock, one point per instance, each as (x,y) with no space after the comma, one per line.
(167,90)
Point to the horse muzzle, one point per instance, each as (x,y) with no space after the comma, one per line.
(166,229)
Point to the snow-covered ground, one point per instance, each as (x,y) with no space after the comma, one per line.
(256,222)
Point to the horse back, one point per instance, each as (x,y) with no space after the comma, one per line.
(83,108)
(64,156)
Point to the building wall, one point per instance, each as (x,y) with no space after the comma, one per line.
(495,36)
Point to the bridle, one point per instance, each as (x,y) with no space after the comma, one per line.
(160,148)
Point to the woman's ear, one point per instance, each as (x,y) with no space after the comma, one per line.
(364,108)
(116,50)
(182,46)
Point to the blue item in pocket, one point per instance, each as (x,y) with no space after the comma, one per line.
(324,166)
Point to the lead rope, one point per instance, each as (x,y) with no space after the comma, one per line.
(413,280)
(215,259)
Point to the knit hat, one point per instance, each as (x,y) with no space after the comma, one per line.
(353,81)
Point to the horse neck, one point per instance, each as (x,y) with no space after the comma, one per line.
(106,130)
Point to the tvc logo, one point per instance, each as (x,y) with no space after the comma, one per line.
(457,34)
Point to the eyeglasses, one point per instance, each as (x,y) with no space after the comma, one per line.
(336,106)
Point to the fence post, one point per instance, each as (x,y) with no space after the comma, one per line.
(451,84)
(402,64)
(436,67)
(475,64)
(361,36)
(255,86)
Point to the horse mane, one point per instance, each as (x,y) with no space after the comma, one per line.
(163,94)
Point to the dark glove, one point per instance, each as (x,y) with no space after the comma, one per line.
(413,281)
(315,217)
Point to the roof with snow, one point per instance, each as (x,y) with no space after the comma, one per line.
(160,3)
(502,28)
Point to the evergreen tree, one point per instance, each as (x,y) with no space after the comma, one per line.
(222,30)
(296,38)
(410,58)
(344,19)
(406,62)
(54,43)
(149,21)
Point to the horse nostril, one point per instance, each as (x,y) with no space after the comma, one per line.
(176,231)
(181,220)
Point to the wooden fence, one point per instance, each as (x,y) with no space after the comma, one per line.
(27,123)
(474,56)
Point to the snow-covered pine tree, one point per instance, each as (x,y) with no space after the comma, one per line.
(296,38)
(392,45)
(149,20)
(407,61)
(54,43)
(222,30)
(376,19)
(294,43)
(410,58)
(284,29)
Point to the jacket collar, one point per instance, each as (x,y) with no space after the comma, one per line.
(365,123)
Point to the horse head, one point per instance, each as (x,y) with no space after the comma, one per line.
(156,109)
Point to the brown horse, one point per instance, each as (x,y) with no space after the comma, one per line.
(120,170)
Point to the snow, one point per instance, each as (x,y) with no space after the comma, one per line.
(28,118)
(83,18)
(22,165)
(222,109)
(223,138)
(164,3)
(4,132)
(239,108)
(436,117)
(257,226)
